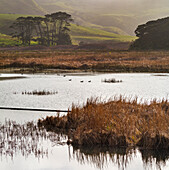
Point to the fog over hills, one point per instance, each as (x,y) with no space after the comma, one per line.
(118,16)
(20,7)
(110,14)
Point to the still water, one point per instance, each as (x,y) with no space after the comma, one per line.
(47,150)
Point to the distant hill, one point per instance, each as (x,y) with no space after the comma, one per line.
(124,15)
(78,33)
(116,16)
(6,21)
(20,7)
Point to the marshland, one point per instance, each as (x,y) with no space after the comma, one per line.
(116,123)
(128,110)
(52,60)
(84,84)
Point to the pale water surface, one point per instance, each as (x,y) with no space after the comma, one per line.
(71,90)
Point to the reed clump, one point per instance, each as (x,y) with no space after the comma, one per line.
(39,93)
(112,80)
(119,122)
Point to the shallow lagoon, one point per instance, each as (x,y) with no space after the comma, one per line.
(71,90)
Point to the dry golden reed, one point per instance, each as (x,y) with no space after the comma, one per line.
(115,61)
(118,122)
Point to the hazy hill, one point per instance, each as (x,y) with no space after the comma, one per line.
(116,16)
(20,7)
(78,33)
(122,14)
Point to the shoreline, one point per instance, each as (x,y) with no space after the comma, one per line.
(84,61)
(47,70)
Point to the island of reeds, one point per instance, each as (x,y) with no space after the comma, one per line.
(112,80)
(119,122)
(38,93)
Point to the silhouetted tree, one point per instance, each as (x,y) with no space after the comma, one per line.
(24,27)
(152,35)
(53,29)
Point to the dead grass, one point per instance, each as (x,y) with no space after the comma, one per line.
(118,122)
(112,61)
(38,93)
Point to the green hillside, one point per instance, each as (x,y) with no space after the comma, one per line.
(78,33)
(120,17)
(6,40)
(93,35)
(20,7)
(123,15)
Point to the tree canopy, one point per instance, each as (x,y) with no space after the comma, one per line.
(52,29)
(152,35)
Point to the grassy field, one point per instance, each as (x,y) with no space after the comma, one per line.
(119,122)
(93,35)
(78,33)
(6,40)
(91,60)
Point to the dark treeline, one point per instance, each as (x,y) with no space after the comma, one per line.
(152,36)
(52,29)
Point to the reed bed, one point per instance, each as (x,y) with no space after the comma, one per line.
(39,93)
(113,61)
(120,122)
(112,80)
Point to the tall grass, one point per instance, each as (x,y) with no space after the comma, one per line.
(121,61)
(118,122)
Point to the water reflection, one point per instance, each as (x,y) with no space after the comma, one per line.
(28,139)
(122,157)
(157,157)
(101,157)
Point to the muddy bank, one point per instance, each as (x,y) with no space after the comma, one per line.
(105,68)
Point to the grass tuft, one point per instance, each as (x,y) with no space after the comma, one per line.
(119,122)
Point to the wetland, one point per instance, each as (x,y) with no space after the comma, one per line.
(37,148)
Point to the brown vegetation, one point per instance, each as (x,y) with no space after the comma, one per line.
(113,80)
(38,93)
(96,60)
(119,122)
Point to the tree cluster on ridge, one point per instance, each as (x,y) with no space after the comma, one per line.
(52,29)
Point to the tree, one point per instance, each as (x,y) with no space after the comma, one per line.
(152,35)
(24,27)
(53,29)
